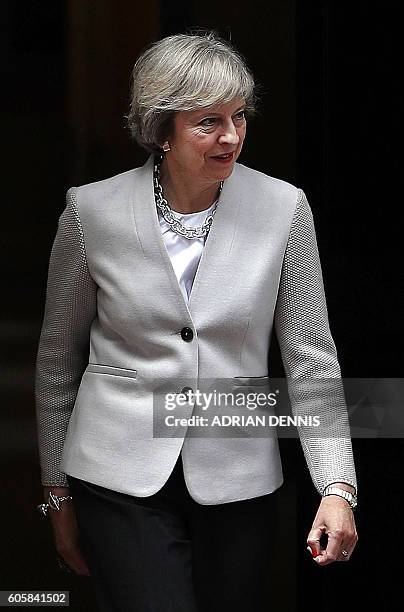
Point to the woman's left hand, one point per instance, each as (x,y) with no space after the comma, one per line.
(334,518)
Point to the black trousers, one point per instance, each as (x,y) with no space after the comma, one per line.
(167,553)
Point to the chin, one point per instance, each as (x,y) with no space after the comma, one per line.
(226,172)
(221,174)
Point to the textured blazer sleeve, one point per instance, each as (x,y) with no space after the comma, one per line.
(310,357)
(63,347)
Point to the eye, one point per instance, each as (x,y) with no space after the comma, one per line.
(240,115)
(208,121)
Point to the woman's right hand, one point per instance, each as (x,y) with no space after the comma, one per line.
(66,532)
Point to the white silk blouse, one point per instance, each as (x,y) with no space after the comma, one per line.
(184,254)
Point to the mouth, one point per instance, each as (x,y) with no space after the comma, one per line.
(224,157)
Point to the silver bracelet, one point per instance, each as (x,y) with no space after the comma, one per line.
(349,497)
(54,502)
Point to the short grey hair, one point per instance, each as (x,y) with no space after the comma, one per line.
(184,72)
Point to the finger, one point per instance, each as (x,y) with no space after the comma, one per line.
(333,549)
(347,546)
(344,557)
(313,540)
(324,558)
(76,563)
(63,566)
(313,550)
(81,570)
(321,558)
(80,566)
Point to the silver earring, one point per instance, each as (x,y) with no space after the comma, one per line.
(166,146)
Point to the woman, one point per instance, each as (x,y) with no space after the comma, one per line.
(160,278)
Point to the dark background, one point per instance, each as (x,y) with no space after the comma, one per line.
(330,122)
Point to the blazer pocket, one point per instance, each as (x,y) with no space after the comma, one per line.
(251,381)
(98,368)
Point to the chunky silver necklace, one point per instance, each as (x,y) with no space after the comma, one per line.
(175,224)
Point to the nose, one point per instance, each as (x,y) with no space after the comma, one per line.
(229,135)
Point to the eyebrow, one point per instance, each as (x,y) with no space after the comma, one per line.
(208,114)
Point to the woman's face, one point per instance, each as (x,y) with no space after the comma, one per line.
(206,143)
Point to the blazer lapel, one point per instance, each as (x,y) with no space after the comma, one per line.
(215,260)
(216,263)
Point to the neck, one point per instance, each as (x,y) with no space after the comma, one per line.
(183,193)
